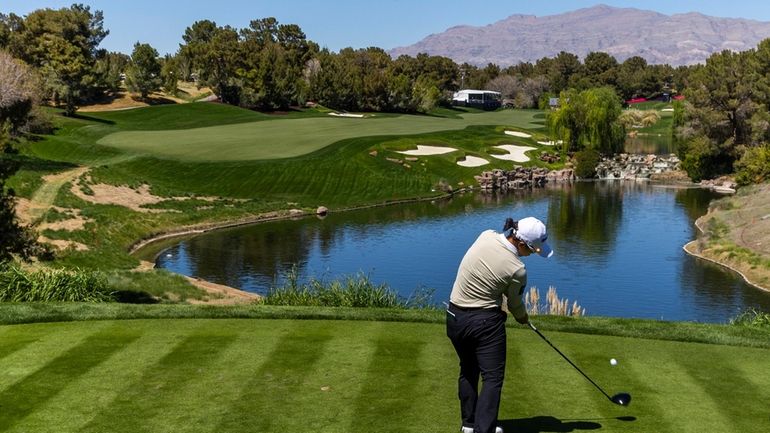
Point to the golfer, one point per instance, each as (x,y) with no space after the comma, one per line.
(475,322)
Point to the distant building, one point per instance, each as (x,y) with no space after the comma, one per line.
(484,99)
(553,103)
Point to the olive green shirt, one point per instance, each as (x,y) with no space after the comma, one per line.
(490,269)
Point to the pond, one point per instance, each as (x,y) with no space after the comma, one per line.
(657,144)
(618,249)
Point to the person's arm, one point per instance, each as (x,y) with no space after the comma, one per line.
(515,296)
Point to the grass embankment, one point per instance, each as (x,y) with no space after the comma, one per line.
(736,233)
(177,159)
(279,375)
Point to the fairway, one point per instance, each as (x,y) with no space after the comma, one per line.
(286,138)
(226,375)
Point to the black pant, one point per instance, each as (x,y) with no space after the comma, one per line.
(479,339)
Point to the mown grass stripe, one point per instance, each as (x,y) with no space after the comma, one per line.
(268,402)
(390,386)
(684,395)
(544,378)
(437,384)
(635,374)
(84,397)
(25,396)
(9,347)
(145,399)
(336,378)
(47,345)
(733,394)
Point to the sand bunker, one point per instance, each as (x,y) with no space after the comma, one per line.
(472,161)
(515,153)
(346,115)
(518,134)
(428,150)
(667,109)
(549,143)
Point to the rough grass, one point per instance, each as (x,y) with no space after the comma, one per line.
(202,375)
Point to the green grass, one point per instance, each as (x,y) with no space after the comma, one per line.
(290,137)
(326,169)
(235,375)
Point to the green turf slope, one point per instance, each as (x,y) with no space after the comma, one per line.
(205,375)
(288,138)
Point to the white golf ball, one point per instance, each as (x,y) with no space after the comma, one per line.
(613,361)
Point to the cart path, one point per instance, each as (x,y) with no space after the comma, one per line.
(32,210)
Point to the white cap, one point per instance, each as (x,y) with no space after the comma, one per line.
(532,231)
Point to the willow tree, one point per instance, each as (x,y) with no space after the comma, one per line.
(588,120)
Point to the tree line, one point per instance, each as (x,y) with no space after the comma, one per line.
(269,66)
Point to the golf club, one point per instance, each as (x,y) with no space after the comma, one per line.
(622,398)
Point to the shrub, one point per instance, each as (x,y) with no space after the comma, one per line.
(754,165)
(17,285)
(699,157)
(586,162)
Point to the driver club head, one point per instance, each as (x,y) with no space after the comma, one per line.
(622,399)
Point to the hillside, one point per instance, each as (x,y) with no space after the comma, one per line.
(736,234)
(680,39)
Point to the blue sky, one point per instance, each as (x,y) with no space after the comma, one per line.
(341,23)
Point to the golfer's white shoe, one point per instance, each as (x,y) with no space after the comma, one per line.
(470,430)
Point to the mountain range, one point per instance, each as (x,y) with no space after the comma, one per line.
(679,39)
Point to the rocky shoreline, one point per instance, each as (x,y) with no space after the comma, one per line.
(521,178)
(635,167)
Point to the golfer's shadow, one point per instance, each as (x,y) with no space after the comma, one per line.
(538,424)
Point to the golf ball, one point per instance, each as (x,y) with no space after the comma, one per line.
(613,361)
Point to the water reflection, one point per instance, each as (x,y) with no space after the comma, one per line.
(618,249)
(651,144)
(586,215)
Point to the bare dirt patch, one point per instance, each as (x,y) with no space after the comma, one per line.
(125,100)
(62,244)
(124,196)
(134,199)
(221,294)
(75,222)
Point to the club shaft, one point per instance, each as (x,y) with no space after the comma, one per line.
(568,360)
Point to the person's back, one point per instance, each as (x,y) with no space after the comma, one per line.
(475,322)
(489,270)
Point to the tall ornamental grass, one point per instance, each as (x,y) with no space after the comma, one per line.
(46,285)
(553,305)
(352,291)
